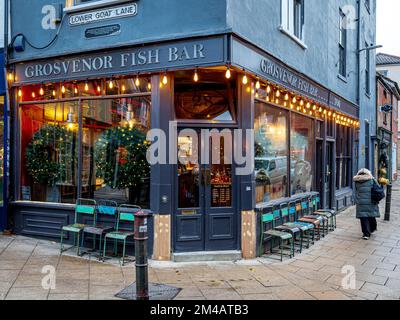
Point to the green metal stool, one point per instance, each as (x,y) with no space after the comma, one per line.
(83,208)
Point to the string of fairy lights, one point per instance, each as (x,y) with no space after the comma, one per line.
(262,90)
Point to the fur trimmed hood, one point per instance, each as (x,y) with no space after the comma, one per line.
(363,175)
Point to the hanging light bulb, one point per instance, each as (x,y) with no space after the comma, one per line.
(76,89)
(308,105)
(98,89)
(41,91)
(54,93)
(294,100)
(123,88)
(278,93)
(10,76)
(165,79)
(111,84)
(33,94)
(228,73)
(268,89)
(20,92)
(329,113)
(196,76)
(286,97)
(245,80)
(314,107)
(137,81)
(258,85)
(267,98)
(63,88)
(86,86)
(257,95)
(302,102)
(149,85)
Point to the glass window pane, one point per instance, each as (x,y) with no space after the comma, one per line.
(271,152)
(211,98)
(114,165)
(301,154)
(49,154)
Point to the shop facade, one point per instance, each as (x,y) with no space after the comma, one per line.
(83,122)
(81,130)
(3,146)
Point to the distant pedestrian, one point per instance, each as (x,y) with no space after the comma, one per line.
(367,209)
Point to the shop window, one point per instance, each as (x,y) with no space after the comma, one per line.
(114,165)
(293,17)
(211,98)
(109,162)
(301,154)
(343,157)
(1,149)
(49,152)
(271,152)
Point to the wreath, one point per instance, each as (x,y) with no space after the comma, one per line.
(120,156)
(49,154)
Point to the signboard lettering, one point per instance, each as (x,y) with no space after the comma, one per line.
(101,15)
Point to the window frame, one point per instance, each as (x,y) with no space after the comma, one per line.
(73,5)
(342,43)
(79,100)
(293,20)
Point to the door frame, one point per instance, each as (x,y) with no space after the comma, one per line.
(204,207)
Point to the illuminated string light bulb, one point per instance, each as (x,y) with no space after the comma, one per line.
(258,85)
(329,113)
(314,107)
(196,76)
(276,101)
(285,104)
(320,110)
(245,80)
(33,95)
(86,86)
(41,91)
(165,79)
(278,93)
(10,76)
(149,85)
(302,102)
(267,98)
(308,105)
(286,97)
(257,95)
(268,89)
(137,81)
(334,115)
(111,84)
(63,88)
(76,90)
(291,106)
(20,92)
(123,88)
(98,89)
(54,93)
(310,113)
(228,74)
(294,100)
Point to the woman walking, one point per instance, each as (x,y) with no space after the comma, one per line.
(367,210)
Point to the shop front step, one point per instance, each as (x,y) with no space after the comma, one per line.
(207,256)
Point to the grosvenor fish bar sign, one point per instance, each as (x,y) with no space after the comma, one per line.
(101,15)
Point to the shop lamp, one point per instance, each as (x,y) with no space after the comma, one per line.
(20,92)
(257,95)
(86,86)
(195,76)
(334,115)
(76,90)
(302,102)
(54,93)
(149,85)
(63,89)
(41,91)
(314,107)
(98,89)
(286,97)
(258,85)
(137,81)
(291,106)
(267,98)
(329,113)
(294,100)
(320,110)
(285,104)
(228,73)
(268,89)
(278,93)
(10,76)
(276,101)
(123,88)
(111,84)
(308,105)
(33,95)
(310,113)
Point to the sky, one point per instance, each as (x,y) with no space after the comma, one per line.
(388,26)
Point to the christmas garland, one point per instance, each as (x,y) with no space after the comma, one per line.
(120,156)
(44,162)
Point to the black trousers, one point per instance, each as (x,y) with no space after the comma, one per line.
(368,226)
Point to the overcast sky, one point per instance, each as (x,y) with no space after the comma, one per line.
(388,26)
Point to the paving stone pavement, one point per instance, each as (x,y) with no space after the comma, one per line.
(314,275)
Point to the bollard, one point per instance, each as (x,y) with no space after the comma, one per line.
(388,202)
(141,237)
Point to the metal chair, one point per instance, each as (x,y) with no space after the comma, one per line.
(104,208)
(268,233)
(83,208)
(330,213)
(126,213)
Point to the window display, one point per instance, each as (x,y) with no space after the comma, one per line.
(271,152)
(301,154)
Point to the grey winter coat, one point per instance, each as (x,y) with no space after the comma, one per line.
(365,207)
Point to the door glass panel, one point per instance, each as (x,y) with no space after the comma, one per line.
(221,179)
(188,174)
